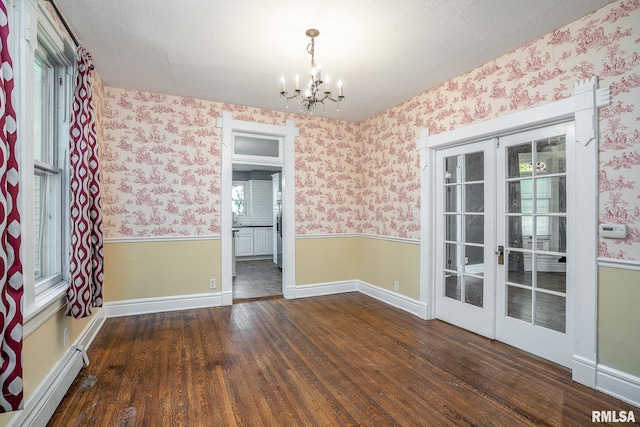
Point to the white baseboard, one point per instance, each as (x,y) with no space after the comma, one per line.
(327,288)
(44,400)
(162,304)
(394,299)
(618,384)
(583,371)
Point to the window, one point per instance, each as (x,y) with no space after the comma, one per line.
(49,148)
(238,199)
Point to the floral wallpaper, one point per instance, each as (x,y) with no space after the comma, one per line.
(161,167)
(161,154)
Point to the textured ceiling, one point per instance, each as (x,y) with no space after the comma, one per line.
(235,51)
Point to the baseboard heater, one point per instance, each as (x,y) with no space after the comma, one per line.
(45,399)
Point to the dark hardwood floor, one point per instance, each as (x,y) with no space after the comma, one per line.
(327,361)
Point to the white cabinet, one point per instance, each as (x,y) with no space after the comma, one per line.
(244,242)
(254,241)
(262,241)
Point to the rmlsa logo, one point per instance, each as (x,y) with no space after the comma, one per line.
(612,417)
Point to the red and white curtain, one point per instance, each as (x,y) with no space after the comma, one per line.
(86,260)
(10,264)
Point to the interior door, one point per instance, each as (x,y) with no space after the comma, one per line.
(465,188)
(534,284)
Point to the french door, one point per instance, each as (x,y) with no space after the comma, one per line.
(466,193)
(504,269)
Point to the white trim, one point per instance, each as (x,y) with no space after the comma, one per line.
(44,400)
(162,304)
(288,133)
(161,239)
(583,370)
(362,235)
(46,305)
(394,299)
(618,384)
(619,263)
(582,107)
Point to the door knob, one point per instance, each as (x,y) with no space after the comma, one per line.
(500,253)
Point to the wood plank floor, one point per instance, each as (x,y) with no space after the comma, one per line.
(327,361)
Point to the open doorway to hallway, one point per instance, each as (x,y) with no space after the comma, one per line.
(257,228)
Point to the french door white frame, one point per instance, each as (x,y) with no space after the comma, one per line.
(582,108)
(288,132)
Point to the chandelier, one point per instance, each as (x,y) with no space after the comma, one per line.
(314,93)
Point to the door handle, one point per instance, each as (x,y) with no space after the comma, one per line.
(500,253)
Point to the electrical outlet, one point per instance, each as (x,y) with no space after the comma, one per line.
(212,283)
(65,337)
(396,285)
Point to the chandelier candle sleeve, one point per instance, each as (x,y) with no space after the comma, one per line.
(313,94)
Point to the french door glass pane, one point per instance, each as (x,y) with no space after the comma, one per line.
(550,273)
(452,197)
(517,228)
(518,270)
(551,311)
(452,169)
(474,198)
(473,290)
(474,229)
(453,286)
(453,228)
(452,257)
(519,161)
(474,167)
(551,155)
(474,260)
(519,303)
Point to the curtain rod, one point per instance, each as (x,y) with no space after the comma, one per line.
(64,22)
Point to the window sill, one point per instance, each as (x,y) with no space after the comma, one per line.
(46,305)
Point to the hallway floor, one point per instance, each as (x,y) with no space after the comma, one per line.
(257,280)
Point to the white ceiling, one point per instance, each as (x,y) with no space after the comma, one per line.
(235,51)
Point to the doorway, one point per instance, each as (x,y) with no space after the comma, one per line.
(504,218)
(280,155)
(256,207)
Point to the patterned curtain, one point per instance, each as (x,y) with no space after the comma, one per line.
(85,284)
(10,264)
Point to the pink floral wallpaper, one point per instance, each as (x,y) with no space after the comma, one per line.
(161,167)
(161,154)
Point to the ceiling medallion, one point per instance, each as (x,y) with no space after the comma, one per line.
(313,93)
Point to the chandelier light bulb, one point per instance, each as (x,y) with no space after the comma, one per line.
(327,80)
(283,84)
(297,77)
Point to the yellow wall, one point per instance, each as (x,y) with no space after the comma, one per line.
(330,259)
(376,261)
(381,262)
(619,319)
(135,270)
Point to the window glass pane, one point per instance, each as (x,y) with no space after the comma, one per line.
(48,225)
(238,204)
(42,125)
(254,146)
